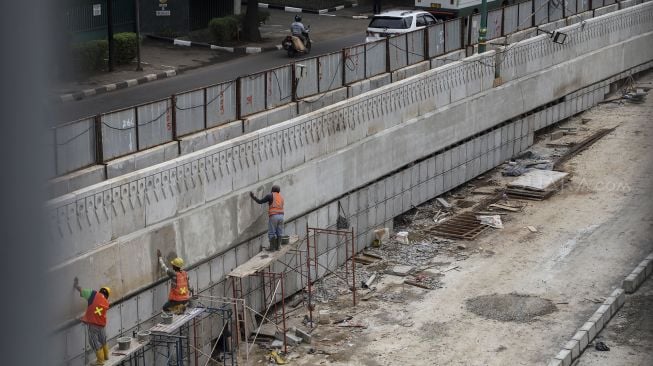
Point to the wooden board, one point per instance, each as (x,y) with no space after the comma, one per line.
(264,259)
(177,321)
(134,347)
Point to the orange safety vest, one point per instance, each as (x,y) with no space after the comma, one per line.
(276,207)
(96,312)
(181,291)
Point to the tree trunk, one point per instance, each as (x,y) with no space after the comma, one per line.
(250,24)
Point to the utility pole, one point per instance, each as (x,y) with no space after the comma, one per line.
(138,35)
(482,31)
(110,31)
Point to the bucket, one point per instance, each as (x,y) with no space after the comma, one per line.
(285,239)
(166,318)
(124,343)
(143,336)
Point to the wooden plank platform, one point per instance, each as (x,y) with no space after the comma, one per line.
(121,356)
(264,259)
(177,321)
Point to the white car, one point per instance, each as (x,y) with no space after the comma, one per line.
(397,22)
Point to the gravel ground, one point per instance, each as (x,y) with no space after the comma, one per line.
(519,308)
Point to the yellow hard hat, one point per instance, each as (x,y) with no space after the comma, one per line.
(177,262)
(107,289)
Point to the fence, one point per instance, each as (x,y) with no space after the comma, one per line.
(98,139)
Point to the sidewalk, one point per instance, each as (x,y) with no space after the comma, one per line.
(159,57)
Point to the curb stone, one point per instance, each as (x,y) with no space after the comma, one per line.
(115,86)
(238,50)
(291,9)
(585,335)
(643,270)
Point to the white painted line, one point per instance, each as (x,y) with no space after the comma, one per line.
(322,11)
(340,7)
(261,5)
(150,77)
(252,49)
(359,17)
(131,82)
(171,72)
(328,15)
(290,9)
(179,42)
(88,92)
(110,87)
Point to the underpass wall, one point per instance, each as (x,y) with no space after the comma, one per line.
(198,205)
(367,208)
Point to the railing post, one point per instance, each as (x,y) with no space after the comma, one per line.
(173,112)
(99,158)
(138,147)
(425,49)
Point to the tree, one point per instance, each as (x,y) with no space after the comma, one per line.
(250,23)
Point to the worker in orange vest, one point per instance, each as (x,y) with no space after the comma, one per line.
(275,215)
(180,292)
(95,318)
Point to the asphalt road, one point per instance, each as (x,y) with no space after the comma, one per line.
(192,79)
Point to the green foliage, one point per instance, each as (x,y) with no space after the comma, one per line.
(224,29)
(124,46)
(90,56)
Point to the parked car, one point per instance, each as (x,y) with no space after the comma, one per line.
(397,22)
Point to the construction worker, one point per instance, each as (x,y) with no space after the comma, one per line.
(96,319)
(180,292)
(275,215)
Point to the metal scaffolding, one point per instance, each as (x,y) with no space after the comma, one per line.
(345,238)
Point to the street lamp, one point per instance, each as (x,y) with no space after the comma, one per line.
(482,31)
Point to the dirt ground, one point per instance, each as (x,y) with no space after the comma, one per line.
(532,290)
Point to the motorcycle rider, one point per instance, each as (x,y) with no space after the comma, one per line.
(298,30)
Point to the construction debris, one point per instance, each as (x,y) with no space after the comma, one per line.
(532,229)
(401,270)
(368,283)
(505,207)
(443,202)
(491,220)
(324,317)
(402,237)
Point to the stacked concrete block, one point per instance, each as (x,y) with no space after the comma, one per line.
(632,282)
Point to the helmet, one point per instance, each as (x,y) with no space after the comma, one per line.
(298,18)
(177,262)
(107,289)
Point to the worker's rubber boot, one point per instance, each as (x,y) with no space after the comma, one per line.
(105,350)
(274,244)
(100,357)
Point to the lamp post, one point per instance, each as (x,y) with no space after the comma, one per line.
(482,31)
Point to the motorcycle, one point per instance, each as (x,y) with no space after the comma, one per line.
(288,44)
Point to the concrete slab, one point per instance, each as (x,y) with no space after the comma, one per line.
(564,356)
(409,71)
(314,103)
(366,85)
(270,117)
(76,180)
(120,166)
(401,270)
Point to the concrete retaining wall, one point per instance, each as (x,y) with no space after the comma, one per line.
(198,205)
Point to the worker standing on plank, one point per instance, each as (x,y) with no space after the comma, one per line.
(275,215)
(179,289)
(96,319)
